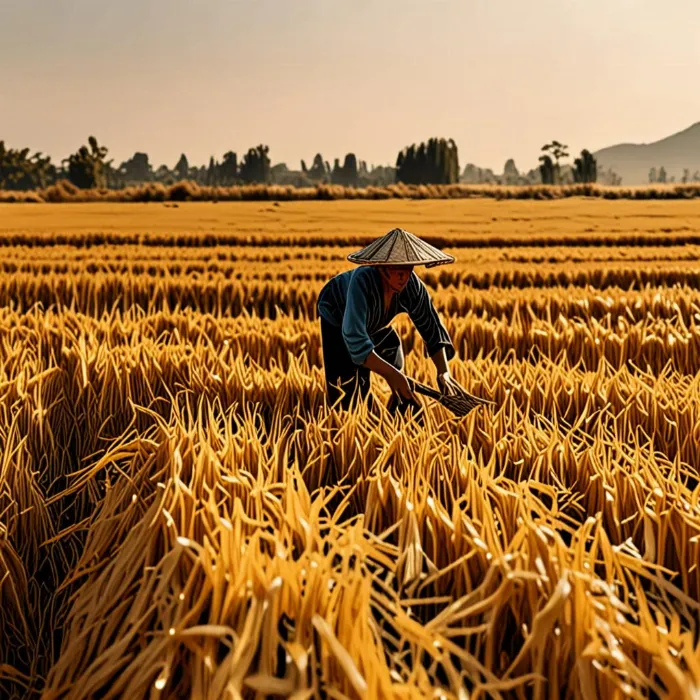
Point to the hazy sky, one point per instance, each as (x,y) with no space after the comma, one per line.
(501,77)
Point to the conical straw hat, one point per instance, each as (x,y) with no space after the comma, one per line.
(399,247)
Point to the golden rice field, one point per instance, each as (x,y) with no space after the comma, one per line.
(182,516)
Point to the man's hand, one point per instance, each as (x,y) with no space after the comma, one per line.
(399,385)
(448,384)
(396,379)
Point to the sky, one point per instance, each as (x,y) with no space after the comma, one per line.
(500,77)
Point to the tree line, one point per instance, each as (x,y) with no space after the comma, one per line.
(662,177)
(433,162)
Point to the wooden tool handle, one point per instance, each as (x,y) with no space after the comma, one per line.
(422,389)
(427,391)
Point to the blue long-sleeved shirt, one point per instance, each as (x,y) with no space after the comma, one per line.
(354,300)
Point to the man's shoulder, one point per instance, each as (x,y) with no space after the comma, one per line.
(342,278)
(365,274)
(363,270)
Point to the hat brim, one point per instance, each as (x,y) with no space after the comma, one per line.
(400,247)
(414,263)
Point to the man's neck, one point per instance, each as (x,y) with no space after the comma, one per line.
(388,291)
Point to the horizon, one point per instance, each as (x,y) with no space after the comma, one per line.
(166,78)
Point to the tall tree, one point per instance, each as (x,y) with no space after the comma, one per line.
(547,170)
(86,168)
(585,167)
(228,170)
(318,171)
(19,171)
(350,170)
(256,165)
(182,169)
(558,151)
(434,162)
(347,174)
(136,169)
(212,178)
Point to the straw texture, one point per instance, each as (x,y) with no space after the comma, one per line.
(399,247)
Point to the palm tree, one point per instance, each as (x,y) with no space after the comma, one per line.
(558,150)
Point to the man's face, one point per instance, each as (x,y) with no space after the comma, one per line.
(397,276)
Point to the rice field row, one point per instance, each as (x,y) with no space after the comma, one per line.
(226,276)
(100,293)
(466,257)
(447,223)
(263,239)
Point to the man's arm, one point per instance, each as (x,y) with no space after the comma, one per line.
(354,328)
(447,383)
(440,361)
(395,378)
(435,336)
(427,322)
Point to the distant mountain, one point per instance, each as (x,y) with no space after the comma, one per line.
(632,161)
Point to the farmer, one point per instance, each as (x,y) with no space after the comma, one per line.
(355,308)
